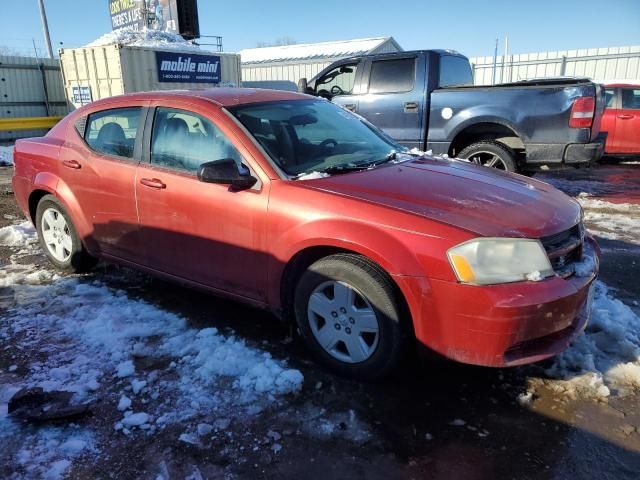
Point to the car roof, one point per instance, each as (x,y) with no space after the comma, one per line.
(620,84)
(222,96)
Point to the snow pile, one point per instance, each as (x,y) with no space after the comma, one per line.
(145,38)
(616,221)
(103,330)
(23,234)
(606,356)
(6,155)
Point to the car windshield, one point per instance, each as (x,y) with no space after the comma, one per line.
(305,136)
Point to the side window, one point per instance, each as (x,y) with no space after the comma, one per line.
(392,76)
(113,132)
(454,71)
(631,98)
(609,97)
(184,140)
(339,81)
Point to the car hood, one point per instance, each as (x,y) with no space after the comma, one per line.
(482,200)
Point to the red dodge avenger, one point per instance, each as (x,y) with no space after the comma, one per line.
(290,203)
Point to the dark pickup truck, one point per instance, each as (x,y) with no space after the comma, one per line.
(425,99)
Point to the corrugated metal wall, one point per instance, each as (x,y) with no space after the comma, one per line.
(22,94)
(600,64)
(284,75)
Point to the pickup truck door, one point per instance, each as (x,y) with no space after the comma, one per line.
(393,97)
(341,84)
(628,121)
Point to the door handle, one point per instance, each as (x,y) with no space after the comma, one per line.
(350,106)
(71,164)
(153,183)
(410,107)
(625,116)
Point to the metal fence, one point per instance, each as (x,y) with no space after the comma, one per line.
(600,64)
(30,87)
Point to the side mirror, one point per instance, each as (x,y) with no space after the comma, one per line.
(226,171)
(302,85)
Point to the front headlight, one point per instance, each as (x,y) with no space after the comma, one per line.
(486,261)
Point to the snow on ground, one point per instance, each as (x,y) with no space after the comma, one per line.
(606,357)
(6,155)
(88,338)
(146,38)
(614,221)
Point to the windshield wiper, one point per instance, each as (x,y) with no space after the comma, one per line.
(355,167)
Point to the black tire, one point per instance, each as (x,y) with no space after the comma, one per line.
(79,260)
(506,157)
(371,284)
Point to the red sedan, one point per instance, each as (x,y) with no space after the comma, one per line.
(290,203)
(621,119)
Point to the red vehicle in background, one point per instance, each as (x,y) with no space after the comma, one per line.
(621,119)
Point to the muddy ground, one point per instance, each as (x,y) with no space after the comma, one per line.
(434,419)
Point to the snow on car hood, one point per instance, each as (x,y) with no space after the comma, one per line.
(478,199)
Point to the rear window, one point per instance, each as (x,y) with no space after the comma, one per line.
(609,97)
(455,71)
(113,132)
(392,76)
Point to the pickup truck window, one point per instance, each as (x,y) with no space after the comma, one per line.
(392,76)
(454,71)
(631,98)
(339,81)
(113,132)
(303,136)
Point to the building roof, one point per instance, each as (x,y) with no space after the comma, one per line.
(309,51)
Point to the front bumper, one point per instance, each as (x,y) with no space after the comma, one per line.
(510,324)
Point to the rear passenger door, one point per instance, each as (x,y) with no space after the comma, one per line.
(394,97)
(628,120)
(202,232)
(99,168)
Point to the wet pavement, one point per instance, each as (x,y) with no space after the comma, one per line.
(433,419)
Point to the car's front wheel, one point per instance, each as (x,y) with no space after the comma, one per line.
(349,315)
(58,237)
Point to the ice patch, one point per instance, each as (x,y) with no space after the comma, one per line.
(125,369)
(124,403)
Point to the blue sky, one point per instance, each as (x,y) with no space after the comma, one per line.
(469,26)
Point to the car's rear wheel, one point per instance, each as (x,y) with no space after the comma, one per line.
(58,237)
(348,314)
(491,154)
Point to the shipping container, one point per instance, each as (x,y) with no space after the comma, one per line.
(92,73)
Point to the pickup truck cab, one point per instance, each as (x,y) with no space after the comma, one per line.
(621,119)
(426,99)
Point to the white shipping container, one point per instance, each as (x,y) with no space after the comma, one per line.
(114,69)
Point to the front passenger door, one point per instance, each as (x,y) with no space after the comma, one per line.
(202,232)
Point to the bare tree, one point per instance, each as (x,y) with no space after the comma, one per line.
(278,42)
(9,51)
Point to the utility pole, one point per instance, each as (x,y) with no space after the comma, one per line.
(495,61)
(45,28)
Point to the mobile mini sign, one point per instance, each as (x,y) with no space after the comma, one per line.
(188,68)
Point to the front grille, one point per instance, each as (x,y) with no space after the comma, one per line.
(564,249)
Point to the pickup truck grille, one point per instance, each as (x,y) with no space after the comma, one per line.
(564,249)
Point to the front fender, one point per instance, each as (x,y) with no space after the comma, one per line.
(379,245)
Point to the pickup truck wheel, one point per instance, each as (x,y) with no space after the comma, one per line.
(59,238)
(490,154)
(348,315)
